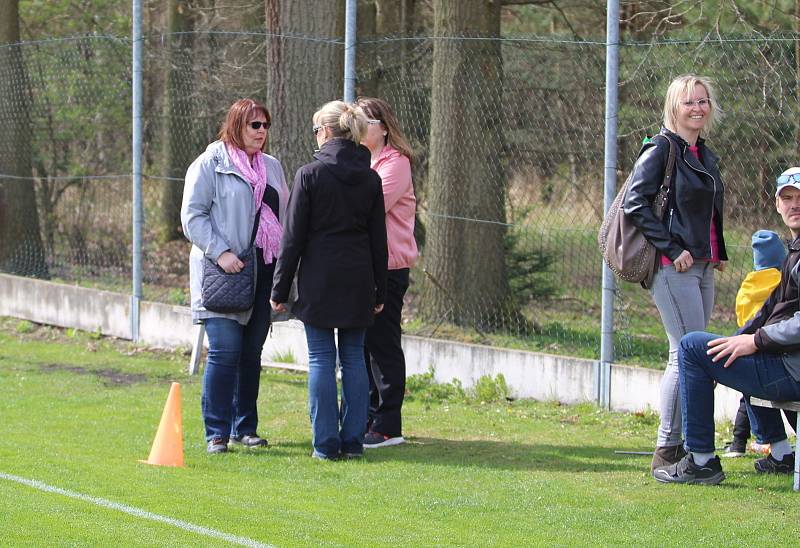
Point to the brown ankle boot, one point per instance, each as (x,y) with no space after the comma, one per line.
(664,456)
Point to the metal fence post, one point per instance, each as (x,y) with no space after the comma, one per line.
(136,151)
(350,51)
(609,190)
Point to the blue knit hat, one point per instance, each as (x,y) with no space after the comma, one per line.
(768,250)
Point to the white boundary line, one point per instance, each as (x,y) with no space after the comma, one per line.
(243,541)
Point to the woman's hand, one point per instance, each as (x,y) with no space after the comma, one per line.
(277,307)
(721,265)
(684,262)
(230,263)
(378,309)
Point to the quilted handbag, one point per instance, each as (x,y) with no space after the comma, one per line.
(625,249)
(226,293)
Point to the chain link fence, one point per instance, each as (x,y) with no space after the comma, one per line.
(508,168)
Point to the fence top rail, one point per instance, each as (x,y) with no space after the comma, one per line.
(76,38)
(532,39)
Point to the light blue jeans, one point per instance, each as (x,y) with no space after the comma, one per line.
(337,429)
(684,300)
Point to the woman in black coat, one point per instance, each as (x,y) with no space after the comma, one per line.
(335,230)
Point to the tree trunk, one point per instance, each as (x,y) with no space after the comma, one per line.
(21,250)
(179,145)
(302,74)
(465,251)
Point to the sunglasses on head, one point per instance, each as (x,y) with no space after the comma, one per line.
(372,121)
(316,128)
(257,124)
(791,178)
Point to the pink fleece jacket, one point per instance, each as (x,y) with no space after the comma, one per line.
(400,203)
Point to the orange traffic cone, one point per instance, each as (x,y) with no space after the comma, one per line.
(167,448)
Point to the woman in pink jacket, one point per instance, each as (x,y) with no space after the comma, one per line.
(391,158)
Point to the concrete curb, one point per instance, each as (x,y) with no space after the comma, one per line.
(528,374)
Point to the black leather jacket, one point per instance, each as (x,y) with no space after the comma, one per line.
(696,188)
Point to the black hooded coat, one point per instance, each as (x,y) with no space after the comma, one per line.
(335,239)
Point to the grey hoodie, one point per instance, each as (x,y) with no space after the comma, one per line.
(218,215)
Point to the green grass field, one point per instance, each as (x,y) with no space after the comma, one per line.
(79,411)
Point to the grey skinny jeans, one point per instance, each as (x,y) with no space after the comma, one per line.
(684,300)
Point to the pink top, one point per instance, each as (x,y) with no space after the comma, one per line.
(713,237)
(401,206)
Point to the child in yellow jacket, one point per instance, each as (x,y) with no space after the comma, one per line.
(768,254)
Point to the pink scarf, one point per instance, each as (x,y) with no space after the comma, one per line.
(270,231)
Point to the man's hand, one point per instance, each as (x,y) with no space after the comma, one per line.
(733,347)
(378,309)
(277,307)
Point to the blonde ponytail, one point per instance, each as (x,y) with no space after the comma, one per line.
(346,121)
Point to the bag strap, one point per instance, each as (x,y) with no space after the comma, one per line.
(670,163)
(666,182)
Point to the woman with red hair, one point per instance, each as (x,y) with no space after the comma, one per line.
(234,195)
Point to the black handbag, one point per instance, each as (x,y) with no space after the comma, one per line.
(226,293)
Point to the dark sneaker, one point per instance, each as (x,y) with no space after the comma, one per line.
(353,456)
(664,456)
(769,465)
(734,450)
(376,439)
(320,456)
(686,471)
(248,441)
(217,445)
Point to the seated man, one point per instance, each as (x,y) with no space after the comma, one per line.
(762,361)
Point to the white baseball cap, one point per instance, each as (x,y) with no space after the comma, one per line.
(790,177)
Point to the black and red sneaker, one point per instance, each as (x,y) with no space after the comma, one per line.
(376,439)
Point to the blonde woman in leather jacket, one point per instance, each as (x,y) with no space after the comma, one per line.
(689,238)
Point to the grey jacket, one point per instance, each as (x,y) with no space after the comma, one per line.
(218,215)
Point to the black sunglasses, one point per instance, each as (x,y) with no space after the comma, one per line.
(257,124)
(316,129)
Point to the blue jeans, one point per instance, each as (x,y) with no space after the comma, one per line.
(337,429)
(761,375)
(233,368)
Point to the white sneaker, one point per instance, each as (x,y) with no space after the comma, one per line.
(733,451)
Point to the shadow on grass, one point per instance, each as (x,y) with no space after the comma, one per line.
(500,455)
(286,377)
(504,455)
